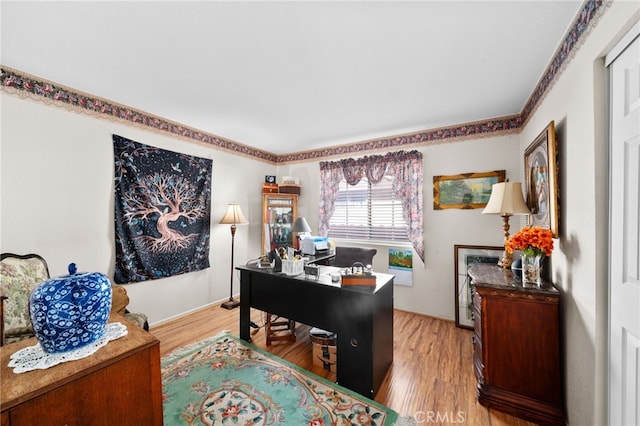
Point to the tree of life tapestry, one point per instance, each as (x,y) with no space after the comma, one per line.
(162,212)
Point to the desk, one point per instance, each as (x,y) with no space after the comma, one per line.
(363,320)
(320,259)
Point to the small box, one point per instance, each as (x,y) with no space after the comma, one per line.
(325,356)
(269,188)
(360,281)
(312,270)
(290,180)
(289,189)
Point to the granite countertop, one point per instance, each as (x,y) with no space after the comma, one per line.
(493,276)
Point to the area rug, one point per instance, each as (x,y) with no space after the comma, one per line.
(226,381)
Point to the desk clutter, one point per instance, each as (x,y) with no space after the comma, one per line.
(291,263)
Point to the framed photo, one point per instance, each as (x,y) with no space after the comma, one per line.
(465,191)
(541,180)
(269,179)
(464,257)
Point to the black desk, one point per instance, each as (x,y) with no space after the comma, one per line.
(320,259)
(363,320)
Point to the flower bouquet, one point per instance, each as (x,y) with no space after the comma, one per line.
(534,243)
(531,241)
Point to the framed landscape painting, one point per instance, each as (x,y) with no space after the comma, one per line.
(465,256)
(541,180)
(464,191)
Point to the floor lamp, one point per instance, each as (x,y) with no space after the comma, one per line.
(232,217)
(506,200)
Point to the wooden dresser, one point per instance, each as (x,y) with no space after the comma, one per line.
(119,384)
(516,345)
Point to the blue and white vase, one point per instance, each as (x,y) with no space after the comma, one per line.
(72,311)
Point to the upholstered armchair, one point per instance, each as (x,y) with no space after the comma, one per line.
(119,302)
(19,276)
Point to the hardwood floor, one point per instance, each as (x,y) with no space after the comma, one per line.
(431,377)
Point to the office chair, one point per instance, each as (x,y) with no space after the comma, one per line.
(347,256)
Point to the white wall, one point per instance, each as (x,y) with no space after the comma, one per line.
(433,283)
(577,103)
(57,200)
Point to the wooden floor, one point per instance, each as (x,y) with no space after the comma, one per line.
(431,377)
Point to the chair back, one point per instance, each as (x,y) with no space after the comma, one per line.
(347,256)
(19,275)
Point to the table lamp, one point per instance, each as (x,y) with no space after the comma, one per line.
(506,200)
(234,217)
(300,226)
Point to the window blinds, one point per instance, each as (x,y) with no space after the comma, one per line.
(368,212)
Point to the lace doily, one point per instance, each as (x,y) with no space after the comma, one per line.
(34,358)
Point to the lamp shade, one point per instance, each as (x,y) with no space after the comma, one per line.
(506,199)
(300,225)
(233,216)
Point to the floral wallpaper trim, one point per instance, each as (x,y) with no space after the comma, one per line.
(501,125)
(14,81)
(39,89)
(23,84)
(589,14)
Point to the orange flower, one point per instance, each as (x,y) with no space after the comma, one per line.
(532,241)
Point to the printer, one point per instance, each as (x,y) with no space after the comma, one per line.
(312,245)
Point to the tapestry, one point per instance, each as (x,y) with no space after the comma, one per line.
(226,381)
(162,212)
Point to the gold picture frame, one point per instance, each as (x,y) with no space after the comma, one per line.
(541,180)
(464,191)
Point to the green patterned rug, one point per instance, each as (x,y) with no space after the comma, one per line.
(226,381)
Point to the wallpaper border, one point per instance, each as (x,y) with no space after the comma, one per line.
(25,85)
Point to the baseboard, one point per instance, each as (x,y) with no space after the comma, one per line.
(190,311)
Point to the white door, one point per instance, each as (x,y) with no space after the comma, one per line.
(624,222)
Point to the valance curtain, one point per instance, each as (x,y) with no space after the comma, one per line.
(406,170)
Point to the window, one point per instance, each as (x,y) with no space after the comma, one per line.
(383,217)
(368,212)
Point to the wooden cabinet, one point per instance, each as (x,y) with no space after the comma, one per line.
(119,384)
(516,345)
(278,213)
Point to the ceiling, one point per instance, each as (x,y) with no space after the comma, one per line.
(295,75)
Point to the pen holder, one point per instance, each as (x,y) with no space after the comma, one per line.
(292,267)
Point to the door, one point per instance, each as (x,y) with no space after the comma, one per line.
(624,326)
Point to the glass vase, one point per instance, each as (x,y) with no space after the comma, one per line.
(531,269)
